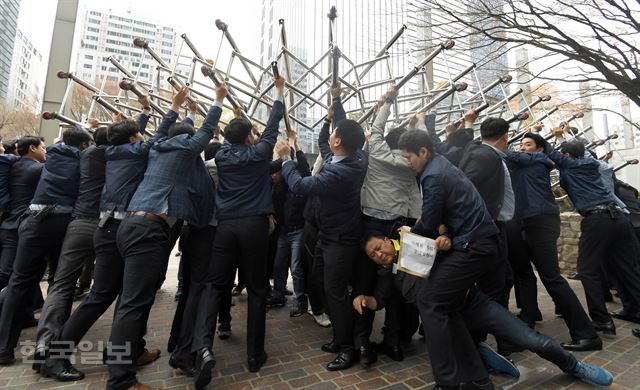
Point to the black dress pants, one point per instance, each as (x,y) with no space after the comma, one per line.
(77,251)
(243,241)
(441,299)
(143,244)
(313,286)
(196,328)
(8,249)
(537,244)
(609,241)
(401,320)
(107,283)
(334,264)
(38,239)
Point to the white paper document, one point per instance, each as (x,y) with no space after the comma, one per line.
(417,254)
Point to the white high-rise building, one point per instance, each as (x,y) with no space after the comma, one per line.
(106,33)
(26,79)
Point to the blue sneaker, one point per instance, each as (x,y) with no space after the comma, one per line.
(592,374)
(496,363)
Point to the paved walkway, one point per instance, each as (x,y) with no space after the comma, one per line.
(296,361)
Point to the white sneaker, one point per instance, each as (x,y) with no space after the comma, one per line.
(322,320)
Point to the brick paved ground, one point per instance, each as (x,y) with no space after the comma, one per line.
(296,361)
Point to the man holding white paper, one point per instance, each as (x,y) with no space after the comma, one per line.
(480,314)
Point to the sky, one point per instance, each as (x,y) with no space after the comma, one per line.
(194,17)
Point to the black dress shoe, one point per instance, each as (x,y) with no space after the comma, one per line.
(38,359)
(184,366)
(7,358)
(254,363)
(368,356)
(61,370)
(594,344)
(204,365)
(343,361)
(392,351)
(635,332)
(607,328)
(627,316)
(331,347)
(484,384)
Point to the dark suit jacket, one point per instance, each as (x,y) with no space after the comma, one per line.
(176,181)
(243,173)
(25,175)
(483,166)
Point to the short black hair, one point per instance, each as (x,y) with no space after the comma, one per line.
(351,135)
(100,136)
(537,139)
(180,128)
(275,166)
(118,133)
(493,128)
(211,149)
(9,146)
(23,144)
(368,235)
(574,148)
(237,130)
(393,136)
(460,138)
(76,136)
(413,140)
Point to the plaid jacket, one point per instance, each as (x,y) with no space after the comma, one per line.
(176,181)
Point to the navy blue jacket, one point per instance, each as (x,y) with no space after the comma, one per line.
(581,180)
(176,181)
(126,164)
(334,192)
(25,175)
(243,173)
(92,168)
(531,184)
(449,198)
(6,161)
(60,177)
(323,145)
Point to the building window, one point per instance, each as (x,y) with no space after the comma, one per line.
(88,66)
(88,57)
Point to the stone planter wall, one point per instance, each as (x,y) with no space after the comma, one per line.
(568,242)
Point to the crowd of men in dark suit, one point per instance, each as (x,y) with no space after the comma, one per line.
(116,197)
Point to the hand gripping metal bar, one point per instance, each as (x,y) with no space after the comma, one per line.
(276,74)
